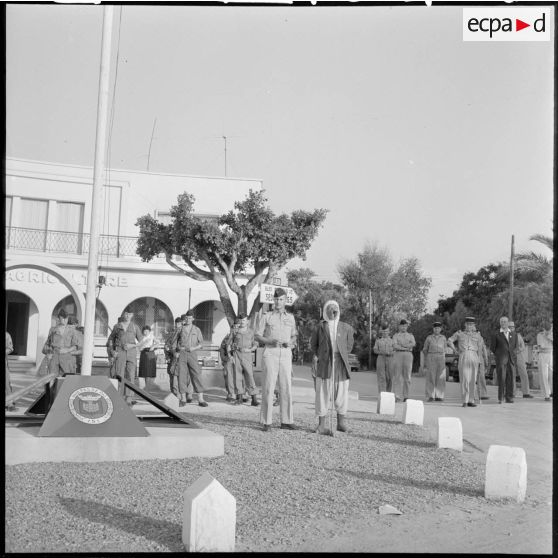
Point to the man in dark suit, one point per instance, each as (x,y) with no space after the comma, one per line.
(503,347)
(331,344)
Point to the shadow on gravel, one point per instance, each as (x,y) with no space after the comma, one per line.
(422,484)
(366,419)
(206,420)
(225,421)
(416,443)
(163,532)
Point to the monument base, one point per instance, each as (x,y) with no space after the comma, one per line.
(23,445)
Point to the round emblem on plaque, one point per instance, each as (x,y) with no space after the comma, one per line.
(90,405)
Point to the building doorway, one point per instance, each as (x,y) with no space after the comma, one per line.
(154,313)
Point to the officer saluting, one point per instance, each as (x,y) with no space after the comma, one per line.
(277,331)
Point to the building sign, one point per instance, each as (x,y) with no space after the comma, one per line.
(267,290)
(43,277)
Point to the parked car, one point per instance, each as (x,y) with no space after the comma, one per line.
(354,363)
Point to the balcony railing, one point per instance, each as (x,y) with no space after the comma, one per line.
(37,240)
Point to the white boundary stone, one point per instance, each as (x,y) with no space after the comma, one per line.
(450,433)
(209,518)
(386,403)
(413,412)
(506,473)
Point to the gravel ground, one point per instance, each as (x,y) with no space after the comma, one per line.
(290,487)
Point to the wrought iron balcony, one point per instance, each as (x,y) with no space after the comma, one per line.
(37,240)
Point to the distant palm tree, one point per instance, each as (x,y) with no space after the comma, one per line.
(533,264)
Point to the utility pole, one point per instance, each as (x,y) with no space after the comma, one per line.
(369,329)
(98,172)
(151,143)
(510,309)
(225,138)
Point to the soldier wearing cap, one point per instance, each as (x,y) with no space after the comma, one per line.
(243,347)
(520,363)
(403,343)
(124,339)
(172,360)
(185,346)
(545,342)
(434,351)
(383,347)
(225,351)
(62,341)
(484,363)
(277,331)
(469,347)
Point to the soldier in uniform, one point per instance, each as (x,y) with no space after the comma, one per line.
(185,346)
(62,341)
(78,353)
(228,362)
(111,348)
(484,363)
(520,363)
(469,347)
(383,347)
(546,344)
(403,343)
(434,351)
(277,331)
(124,337)
(243,347)
(169,356)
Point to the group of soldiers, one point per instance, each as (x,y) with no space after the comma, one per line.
(394,362)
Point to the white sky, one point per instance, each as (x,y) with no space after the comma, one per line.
(431,146)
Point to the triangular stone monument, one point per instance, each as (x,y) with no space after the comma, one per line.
(90,406)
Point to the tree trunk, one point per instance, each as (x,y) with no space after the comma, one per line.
(224,297)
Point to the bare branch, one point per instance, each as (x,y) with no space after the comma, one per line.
(197,274)
(229,274)
(257,278)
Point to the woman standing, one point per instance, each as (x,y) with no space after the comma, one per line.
(148,358)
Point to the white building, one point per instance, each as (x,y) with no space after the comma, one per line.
(48,211)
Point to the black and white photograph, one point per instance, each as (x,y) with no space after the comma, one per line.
(278,277)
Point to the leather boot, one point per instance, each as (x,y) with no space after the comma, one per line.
(341,424)
(255,402)
(238,400)
(322,428)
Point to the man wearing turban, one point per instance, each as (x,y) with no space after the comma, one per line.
(331,344)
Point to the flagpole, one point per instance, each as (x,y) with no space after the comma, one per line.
(98,173)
